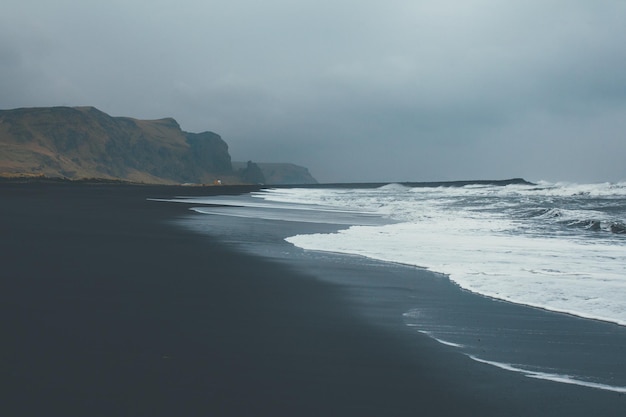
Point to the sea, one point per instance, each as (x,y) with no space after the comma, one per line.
(553,247)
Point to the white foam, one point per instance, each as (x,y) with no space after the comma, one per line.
(469,234)
(574,277)
(565,379)
(245,201)
(443,342)
(290,215)
(518,243)
(247,206)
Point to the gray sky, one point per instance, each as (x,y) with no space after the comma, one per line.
(356,90)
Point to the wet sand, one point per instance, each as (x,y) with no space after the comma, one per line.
(109,309)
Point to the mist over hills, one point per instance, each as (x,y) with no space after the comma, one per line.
(84,142)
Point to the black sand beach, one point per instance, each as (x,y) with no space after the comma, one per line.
(109,309)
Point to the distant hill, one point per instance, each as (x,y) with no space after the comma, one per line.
(84,142)
(280,173)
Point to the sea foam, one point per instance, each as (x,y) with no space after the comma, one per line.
(518,243)
(559,247)
(565,379)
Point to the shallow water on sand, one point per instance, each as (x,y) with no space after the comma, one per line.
(531,341)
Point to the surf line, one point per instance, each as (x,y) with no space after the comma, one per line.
(565,379)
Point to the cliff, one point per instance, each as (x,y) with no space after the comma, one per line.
(280,173)
(84,142)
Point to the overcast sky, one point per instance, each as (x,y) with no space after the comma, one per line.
(355,90)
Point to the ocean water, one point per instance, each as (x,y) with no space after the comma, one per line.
(558,247)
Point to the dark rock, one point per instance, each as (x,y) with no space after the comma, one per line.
(252,174)
(282,173)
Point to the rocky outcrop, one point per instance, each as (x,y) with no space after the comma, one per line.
(251,173)
(281,173)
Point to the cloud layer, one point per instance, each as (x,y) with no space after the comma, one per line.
(355,90)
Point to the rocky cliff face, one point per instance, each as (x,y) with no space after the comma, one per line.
(83,142)
(280,173)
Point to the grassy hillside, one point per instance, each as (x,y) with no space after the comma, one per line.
(83,142)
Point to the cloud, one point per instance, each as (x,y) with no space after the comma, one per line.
(355,90)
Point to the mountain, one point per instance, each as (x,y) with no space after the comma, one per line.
(279,173)
(84,142)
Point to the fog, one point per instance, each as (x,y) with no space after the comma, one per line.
(353,90)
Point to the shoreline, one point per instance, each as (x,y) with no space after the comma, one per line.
(556,345)
(112,310)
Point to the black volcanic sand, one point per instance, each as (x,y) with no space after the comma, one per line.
(110,309)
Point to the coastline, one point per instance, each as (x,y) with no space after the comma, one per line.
(113,310)
(531,341)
